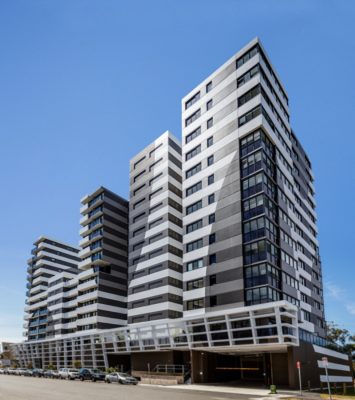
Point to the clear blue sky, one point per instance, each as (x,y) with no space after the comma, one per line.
(84,85)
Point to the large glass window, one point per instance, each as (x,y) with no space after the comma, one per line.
(193,189)
(196,284)
(197,244)
(261,250)
(193,207)
(195,264)
(261,295)
(192,171)
(262,274)
(194,226)
(193,117)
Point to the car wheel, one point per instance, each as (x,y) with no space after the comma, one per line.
(120,382)
(94,379)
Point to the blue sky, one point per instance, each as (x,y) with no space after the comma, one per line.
(84,85)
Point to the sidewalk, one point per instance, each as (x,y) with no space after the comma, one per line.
(252,392)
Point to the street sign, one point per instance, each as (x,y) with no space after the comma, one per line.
(325,361)
(298,364)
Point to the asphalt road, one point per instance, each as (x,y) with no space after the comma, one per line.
(29,388)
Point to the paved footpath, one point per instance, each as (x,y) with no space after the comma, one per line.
(29,388)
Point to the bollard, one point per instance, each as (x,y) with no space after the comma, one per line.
(273,389)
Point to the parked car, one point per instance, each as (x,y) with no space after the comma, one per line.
(49,373)
(28,372)
(91,375)
(20,371)
(38,372)
(69,373)
(121,378)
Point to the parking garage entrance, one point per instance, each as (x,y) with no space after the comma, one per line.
(256,369)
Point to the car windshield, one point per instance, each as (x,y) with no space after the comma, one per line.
(124,375)
(96,371)
(73,370)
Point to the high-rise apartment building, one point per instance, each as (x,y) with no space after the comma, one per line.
(52,264)
(249,208)
(155,232)
(102,286)
(221,274)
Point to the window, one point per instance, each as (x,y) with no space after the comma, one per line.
(192,100)
(155,178)
(212,259)
(155,163)
(210,160)
(138,162)
(155,253)
(213,279)
(138,189)
(197,244)
(195,304)
(193,207)
(248,95)
(155,238)
(192,171)
(209,87)
(306,315)
(213,301)
(193,135)
(247,76)
(155,208)
(209,123)
(155,223)
(212,238)
(249,116)
(247,56)
(138,245)
(196,284)
(138,203)
(154,150)
(262,274)
(261,295)
(192,118)
(193,189)
(138,217)
(139,231)
(209,104)
(195,264)
(211,179)
(194,226)
(211,218)
(193,152)
(210,141)
(211,198)
(155,193)
(138,176)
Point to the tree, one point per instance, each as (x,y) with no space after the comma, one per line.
(341,338)
(77,364)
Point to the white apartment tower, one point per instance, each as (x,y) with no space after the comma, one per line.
(155,232)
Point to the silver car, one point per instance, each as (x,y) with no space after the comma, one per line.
(69,373)
(120,377)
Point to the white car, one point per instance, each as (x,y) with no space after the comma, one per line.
(120,377)
(69,373)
